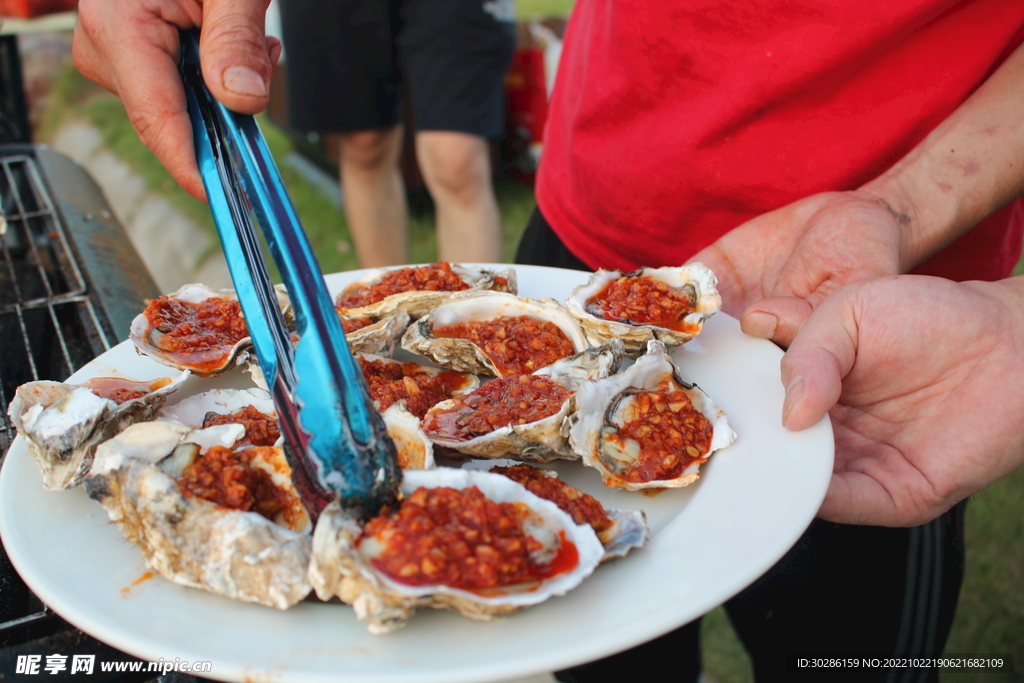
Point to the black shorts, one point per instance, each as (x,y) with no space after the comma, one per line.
(350,63)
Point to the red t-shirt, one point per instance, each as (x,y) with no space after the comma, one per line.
(674,121)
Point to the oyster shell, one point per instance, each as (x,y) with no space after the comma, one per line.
(192,541)
(415,451)
(341,565)
(418,303)
(607,406)
(207,359)
(380,337)
(63,423)
(466,356)
(695,282)
(538,440)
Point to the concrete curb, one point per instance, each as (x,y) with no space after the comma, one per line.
(171,245)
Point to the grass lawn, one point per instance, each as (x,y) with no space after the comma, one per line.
(990,617)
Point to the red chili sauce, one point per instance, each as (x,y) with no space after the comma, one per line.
(229,479)
(516,345)
(460,538)
(672,435)
(642,300)
(498,403)
(582,507)
(260,429)
(120,390)
(437,277)
(355,324)
(393,382)
(201,334)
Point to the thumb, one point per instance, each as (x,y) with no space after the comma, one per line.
(777,318)
(821,355)
(238,59)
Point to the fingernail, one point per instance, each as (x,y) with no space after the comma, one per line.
(244,81)
(760,325)
(794,392)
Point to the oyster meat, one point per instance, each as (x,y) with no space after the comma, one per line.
(646,427)
(491,333)
(668,304)
(152,486)
(64,423)
(524,417)
(418,289)
(386,569)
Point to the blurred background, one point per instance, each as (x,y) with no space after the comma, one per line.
(175,237)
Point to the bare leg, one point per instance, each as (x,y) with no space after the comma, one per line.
(371,184)
(457,170)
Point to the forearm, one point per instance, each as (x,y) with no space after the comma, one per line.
(969,166)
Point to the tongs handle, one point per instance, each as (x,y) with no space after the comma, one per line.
(336,441)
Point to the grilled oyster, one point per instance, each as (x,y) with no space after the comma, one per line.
(418,289)
(646,427)
(668,304)
(524,417)
(491,333)
(196,328)
(357,566)
(138,478)
(63,423)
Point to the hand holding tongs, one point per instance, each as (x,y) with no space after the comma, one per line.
(335,440)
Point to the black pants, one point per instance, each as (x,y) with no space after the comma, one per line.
(840,589)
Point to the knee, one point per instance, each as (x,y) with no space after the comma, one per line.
(370,151)
(455,165)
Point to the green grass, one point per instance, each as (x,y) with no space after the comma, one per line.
(528,9)
(990,617)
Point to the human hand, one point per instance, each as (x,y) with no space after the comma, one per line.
(929,379)
(131,47)
(774,270)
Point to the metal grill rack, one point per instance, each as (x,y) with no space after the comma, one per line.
(48,323)
(70,283)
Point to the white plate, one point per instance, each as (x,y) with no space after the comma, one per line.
(711,540)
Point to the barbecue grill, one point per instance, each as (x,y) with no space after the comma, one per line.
(70,284)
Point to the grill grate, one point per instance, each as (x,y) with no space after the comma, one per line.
(48,323)
(49,329)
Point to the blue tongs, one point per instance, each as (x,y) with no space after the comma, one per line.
(335,441)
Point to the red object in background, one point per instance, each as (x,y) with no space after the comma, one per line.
(26,9)
(526,90)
